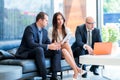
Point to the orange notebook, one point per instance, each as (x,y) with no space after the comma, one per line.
(102,48)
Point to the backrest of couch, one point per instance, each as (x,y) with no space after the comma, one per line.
(7,45)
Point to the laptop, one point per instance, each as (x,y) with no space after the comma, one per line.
(102,48)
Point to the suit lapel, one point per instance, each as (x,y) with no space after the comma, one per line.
(35,31)
(42,35)
(85,33)
(93,33)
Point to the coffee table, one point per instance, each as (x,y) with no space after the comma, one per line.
(100,60)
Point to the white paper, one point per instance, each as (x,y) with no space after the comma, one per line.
(67,37)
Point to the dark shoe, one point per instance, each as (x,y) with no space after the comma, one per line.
(94,71)
(91,69)
(53,78)
(84,75)
(42,79)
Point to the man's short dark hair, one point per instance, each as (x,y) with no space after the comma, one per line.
(40,15)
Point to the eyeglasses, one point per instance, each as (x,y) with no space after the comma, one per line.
(90,22)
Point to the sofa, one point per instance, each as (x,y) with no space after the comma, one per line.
(29,70)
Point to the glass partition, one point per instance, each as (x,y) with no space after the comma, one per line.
(15,15)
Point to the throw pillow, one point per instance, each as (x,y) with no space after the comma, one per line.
(12,51)
(5,55)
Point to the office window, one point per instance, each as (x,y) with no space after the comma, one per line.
(15,15)
(111,18)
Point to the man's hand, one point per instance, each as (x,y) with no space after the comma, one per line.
(89,49)
(54,46)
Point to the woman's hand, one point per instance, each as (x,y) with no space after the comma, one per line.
(54,46)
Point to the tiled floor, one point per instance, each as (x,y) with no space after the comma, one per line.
(112,72)
(68,76)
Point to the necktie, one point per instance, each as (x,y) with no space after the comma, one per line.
(89,38)
(40,36)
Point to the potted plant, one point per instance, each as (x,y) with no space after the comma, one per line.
(110,33)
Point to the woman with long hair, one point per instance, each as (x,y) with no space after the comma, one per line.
(57,33)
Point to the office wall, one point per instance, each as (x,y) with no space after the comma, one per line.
(75,11)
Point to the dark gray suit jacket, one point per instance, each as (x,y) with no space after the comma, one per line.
(30,40)
(81,38)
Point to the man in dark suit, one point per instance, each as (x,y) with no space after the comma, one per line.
(86,35)
(36,45)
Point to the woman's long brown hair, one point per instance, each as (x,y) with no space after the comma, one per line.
(54,23)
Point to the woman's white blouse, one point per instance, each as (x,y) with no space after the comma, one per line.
(60,37)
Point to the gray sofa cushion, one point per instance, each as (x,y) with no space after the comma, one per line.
(28,65)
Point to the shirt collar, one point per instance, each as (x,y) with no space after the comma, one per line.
(88,30)
(39,28)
